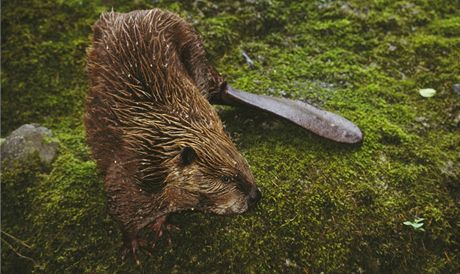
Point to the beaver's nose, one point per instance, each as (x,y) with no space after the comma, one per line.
(254,196)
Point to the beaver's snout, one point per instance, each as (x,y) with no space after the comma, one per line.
(254,196)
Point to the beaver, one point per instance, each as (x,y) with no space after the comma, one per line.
(152,129)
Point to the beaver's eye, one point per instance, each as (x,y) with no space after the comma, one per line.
(226,179)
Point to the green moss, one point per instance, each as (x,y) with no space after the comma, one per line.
(449,27)
(325,207)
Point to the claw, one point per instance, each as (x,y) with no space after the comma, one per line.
(169,241)
(159,226)
(171,227)
(132,247)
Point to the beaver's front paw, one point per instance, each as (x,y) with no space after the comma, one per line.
(131,248)
(160,226)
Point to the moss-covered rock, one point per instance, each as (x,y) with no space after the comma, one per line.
(325,207)
(26,141)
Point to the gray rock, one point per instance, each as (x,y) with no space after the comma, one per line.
(456,88)
(27,140)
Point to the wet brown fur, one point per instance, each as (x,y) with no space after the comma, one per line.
(146,110)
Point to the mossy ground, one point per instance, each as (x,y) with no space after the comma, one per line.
(326,207)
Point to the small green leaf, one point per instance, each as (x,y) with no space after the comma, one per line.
(417,225)
(407,223)
(427,92)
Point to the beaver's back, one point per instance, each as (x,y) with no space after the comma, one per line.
(142,93)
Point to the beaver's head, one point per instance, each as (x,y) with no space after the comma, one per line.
(211,176)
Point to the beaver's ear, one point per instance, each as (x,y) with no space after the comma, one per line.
(187,156)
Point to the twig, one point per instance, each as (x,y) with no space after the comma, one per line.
(16,239)
(72,265)
(17,252)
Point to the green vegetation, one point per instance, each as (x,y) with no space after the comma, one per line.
(325,207)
